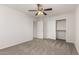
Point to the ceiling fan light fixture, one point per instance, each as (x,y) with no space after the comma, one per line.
(40,10)
(40,13)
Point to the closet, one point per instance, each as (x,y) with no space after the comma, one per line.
(61,29)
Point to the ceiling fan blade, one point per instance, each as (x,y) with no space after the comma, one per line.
(48,9)
(36,14)
(32,10)
(44,13)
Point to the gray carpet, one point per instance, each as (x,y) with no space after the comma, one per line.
(41,47)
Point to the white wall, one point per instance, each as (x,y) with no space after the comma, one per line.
(15,27)
(77,29)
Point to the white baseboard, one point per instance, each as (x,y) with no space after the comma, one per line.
(44,38)
(37,38)
(69,41)
(49,38)
(14,44)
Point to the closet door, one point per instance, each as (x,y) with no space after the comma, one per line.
(40,29)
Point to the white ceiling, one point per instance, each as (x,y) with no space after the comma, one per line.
(57,8)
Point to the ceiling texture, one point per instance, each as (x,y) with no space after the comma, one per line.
(57,8)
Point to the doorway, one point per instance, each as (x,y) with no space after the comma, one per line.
(61,29)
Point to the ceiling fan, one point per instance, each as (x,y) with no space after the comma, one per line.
(40,10)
